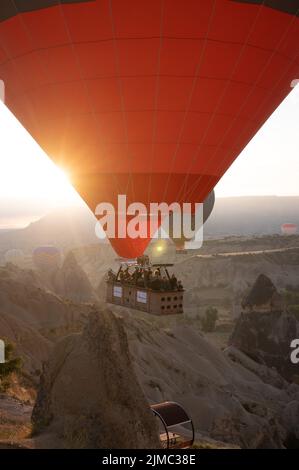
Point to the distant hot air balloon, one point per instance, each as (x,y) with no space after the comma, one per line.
(208,205)
(153,99)
(46,258)
(289,229)
(14,256)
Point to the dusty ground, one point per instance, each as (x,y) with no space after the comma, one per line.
(15,424)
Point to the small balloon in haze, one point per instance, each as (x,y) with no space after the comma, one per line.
(289,229)
(14,256)
(47,258)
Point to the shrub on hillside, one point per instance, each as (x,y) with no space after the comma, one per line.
(11,364)
(208,321)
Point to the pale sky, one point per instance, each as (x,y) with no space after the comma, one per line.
(269,165)
(31,185)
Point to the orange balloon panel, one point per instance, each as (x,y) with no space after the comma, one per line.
(153,99)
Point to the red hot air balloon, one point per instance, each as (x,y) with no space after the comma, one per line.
(289,229)
(153,99)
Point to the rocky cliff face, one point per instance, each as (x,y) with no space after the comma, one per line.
(265,330)
(266,337)
(263,296)
(218,274)
(222,279)
(71,281)
(229,396)
(89,383)
(32,317)
(89,396)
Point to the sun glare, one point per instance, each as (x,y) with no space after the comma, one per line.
(26,171)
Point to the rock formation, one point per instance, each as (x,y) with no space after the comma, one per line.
(221,279)
(71,282)
(218,274)
(33,318)
(229,396)
(264,331)
(263,297)
(89,396)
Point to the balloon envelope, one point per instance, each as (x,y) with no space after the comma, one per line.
(153,99)
(207,208)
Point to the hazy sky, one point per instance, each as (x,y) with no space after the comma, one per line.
(30,184)
(269,165)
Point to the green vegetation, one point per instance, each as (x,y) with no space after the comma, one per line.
(295,379)
(155,385)
(11,364)
(291,299)
(208,321)
(294,309)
